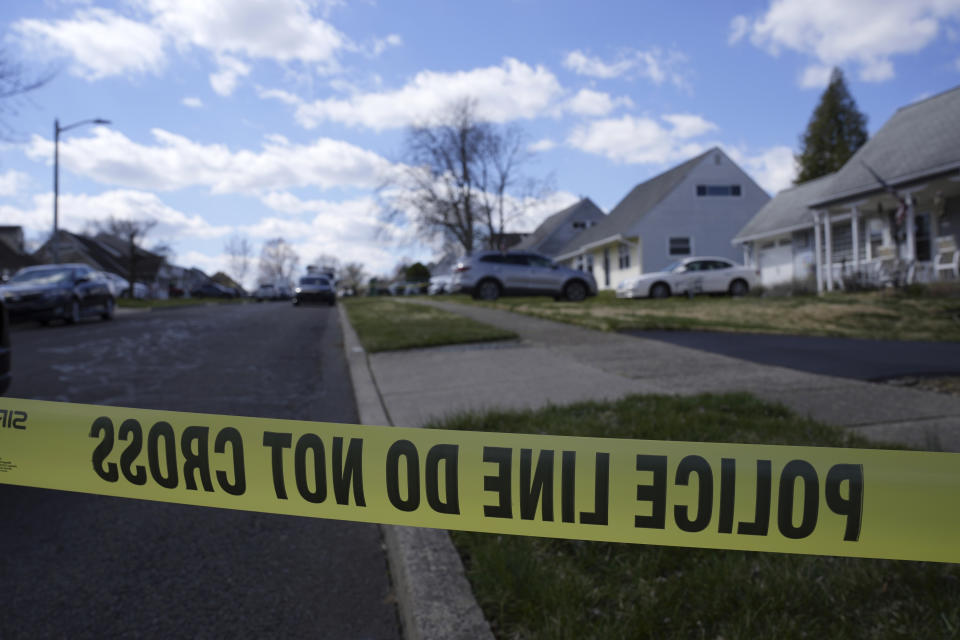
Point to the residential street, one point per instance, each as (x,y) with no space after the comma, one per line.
(78,565)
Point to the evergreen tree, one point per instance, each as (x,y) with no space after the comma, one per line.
(835,131)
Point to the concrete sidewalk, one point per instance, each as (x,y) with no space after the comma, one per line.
(559,363)
(554,363)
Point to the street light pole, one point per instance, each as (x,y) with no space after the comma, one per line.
(57,130)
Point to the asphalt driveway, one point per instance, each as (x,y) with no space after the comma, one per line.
(841,357)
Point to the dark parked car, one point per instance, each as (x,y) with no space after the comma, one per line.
(4,348)
(491,274)
(58,291)
(314,289)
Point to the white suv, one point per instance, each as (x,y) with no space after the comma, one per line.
(491,274)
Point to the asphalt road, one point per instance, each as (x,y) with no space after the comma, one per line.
(75,565)
(842,357)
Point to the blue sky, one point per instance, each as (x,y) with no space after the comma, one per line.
(267,118)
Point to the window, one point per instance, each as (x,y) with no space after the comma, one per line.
(590,263)
(516,259)
(579,224)
(539,261)
(718,190)
(494,257)
(680,246)
(624,257)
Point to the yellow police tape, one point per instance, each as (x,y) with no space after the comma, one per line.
(810,500)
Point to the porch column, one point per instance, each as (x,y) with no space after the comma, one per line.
(855,230)
(911,232)
(746,255)
(817,248)
(828,241)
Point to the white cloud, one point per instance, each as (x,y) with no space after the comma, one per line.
(867,33)
(176,162)
(192,102)
(382,44)
(594,103)
(544,144)
(353,230)
(643,140)
(774,169)
(506,92)
(739,27)
(77,211)
(815,76)
(100,42)
(281,30)
(12,183)
(653,64)
(585,65)
(103,43)
(224,81)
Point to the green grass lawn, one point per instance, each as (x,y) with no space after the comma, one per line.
(921,313)
(551,588)
(385,324)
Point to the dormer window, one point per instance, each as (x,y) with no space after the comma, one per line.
(579,224)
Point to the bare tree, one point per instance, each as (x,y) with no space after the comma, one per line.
(239,255)
(326,262)
(460,172)
(278,261)
(351,275)
(15,81)
(132,232)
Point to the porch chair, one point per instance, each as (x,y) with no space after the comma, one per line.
(887,269)
(948,257)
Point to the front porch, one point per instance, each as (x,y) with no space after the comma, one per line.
(877,242)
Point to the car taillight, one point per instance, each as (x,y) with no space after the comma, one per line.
(462,267)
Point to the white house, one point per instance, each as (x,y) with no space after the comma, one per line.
(849,228)
(693,209)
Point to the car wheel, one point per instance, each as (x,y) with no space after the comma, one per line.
(660,290)
(575,291)
(488,290)
(73,316)
(738,288)
(108,309)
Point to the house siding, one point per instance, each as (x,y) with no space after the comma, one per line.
(709,221)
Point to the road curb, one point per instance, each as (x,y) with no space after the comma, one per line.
(433,594)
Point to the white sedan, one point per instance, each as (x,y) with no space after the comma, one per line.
(691,276)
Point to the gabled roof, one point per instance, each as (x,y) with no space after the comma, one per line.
(920,140)
(635,205)
(545,239)
(788,211)
(148,262)
(94,253)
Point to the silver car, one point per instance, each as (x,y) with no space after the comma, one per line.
(491,274)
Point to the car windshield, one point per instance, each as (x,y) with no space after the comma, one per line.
(673,266)
(42,276)
(314,281)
